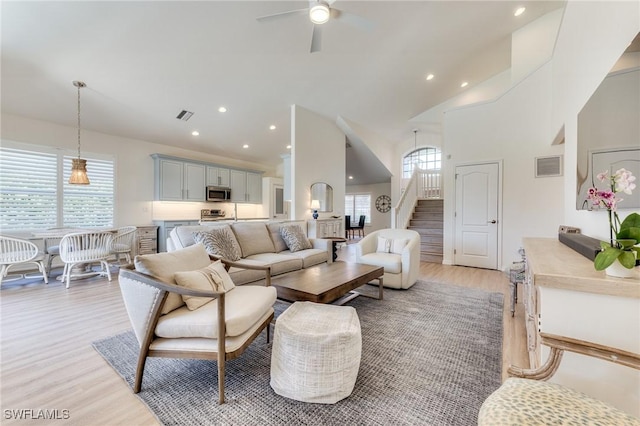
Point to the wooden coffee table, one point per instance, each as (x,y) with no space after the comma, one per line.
(327,283)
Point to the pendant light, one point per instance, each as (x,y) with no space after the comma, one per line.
(79,165)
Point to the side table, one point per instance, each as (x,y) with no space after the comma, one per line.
(334,245)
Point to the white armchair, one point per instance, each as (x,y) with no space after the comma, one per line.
(397,251)
(15,251)
(79,250)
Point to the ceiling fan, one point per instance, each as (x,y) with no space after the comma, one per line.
(320,12)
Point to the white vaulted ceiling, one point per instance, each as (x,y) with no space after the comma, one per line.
(144,62)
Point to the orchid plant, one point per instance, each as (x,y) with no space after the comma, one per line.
(623,236)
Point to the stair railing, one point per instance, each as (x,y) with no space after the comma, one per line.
(424,184)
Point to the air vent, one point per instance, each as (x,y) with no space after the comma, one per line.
(549,166)
(184,115)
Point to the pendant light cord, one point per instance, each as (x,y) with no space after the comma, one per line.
(78,121)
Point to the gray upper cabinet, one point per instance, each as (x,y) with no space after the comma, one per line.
(218,176)
(246,187)
(179,180)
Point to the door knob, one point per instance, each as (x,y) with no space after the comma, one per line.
(492,221)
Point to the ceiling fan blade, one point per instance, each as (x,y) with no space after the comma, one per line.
(283,14)
(351,19)
(316,38)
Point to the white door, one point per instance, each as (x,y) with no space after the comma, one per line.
(476,215)
(277,202)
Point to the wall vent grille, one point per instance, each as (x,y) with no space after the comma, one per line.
(549,166)
(184,115)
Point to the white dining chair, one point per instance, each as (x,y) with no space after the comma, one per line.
(122,241)
(79,250)
(16,251)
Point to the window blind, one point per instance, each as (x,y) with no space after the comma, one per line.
(35,193)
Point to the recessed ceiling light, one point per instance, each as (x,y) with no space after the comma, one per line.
(245,146)
(464,84)
(288,146)
(222,109)
(350,177)
(272,127)
(195,133)
(430,77)
(519,11)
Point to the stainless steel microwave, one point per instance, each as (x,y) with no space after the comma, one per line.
(218,193)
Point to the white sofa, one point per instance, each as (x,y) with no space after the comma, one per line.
(397,251)
(261,244)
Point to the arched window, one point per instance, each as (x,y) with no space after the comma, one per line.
(424,158)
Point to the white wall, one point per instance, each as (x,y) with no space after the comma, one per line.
(378,220)
(317,155)
(134,169)
(512,129)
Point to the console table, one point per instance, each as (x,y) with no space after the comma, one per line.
(565,295)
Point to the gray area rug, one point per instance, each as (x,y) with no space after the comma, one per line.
(430,355)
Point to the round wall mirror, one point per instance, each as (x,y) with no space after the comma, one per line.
(322,192)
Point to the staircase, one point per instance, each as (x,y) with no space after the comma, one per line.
(427,220)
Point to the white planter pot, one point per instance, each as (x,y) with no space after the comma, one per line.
(617,270)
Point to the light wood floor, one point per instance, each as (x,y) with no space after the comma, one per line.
(47,361)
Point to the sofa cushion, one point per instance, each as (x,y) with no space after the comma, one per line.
(219,242)
(295,238)
(391,245)
(244,306)
(391,262)
(164,265)
(309,257)
(184,234)
(253,238)
(278,242)
(280,263)
(212,278)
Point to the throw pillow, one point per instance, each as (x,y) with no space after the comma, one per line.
(276,237)
(219,242)
(212,278)
(389,245)
(294,237)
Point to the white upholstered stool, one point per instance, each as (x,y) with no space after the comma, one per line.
(316,352)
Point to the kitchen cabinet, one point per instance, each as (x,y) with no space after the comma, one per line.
(218,176)
(565,295)
(246,187)
(166,226)
(179,180)
(325,228)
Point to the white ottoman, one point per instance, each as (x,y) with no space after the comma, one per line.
(316,352)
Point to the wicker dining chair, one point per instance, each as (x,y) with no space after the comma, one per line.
(16,251)
(85,248)
(122,241)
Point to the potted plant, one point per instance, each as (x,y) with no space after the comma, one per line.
(624,236)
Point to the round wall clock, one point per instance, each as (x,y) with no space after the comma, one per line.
(383,203)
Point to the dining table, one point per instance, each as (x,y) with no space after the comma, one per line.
(79,271)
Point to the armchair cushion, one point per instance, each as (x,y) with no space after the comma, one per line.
(389,245)
(219,242)
(253,238)
(212,278)
(164,266)
(294,237)
(244,306)
(391,262)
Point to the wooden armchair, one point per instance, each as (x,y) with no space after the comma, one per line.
(218,330)
(524,400)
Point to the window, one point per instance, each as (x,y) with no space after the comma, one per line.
(425,158)
(34,193)
(356,205)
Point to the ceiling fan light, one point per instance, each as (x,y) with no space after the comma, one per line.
(319,14)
